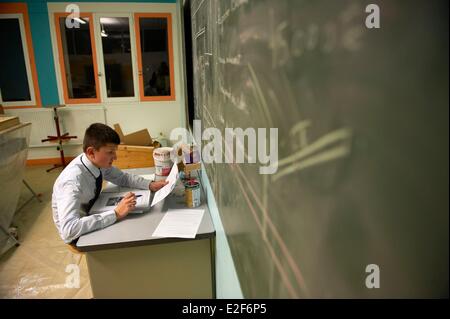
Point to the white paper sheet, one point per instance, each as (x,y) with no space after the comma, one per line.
(181,223)
(163,192)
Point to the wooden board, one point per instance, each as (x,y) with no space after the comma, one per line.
(129,156)
(8,121)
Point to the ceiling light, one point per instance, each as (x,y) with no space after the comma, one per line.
(80,20)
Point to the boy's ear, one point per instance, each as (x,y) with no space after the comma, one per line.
(90,150)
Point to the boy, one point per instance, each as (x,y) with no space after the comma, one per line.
(79,185)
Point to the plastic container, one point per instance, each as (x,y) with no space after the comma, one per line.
(191,153)
(163,163)
(163,141)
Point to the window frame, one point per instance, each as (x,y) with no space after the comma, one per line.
(101,61)
(19,11)
(168,16)
(60,58)
(113,9)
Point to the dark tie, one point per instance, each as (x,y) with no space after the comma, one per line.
(98,188)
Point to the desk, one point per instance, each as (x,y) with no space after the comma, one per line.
(125,261)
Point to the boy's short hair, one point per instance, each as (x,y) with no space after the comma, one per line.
(98,135)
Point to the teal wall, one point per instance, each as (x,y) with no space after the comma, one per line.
(227,282)
(40,33)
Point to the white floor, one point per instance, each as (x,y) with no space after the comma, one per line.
(37,268)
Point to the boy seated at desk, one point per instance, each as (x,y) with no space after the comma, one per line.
(80,183)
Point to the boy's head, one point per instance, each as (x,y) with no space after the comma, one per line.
(100,144)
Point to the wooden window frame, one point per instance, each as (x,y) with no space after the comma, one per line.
(22,9)
(67,100)
(168,16)
(101,60)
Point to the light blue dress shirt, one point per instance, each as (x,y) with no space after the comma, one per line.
(73,190)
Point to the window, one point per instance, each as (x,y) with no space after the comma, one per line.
(134,60)
(117,64)
(76,49)
(18,78)
(155,57)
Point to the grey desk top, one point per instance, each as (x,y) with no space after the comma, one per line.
(137,229)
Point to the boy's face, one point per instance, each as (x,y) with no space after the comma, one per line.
(103,157)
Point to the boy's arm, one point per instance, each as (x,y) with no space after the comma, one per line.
(118,177)
(72,225)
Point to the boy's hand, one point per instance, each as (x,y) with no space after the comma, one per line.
(125,206)
(155,186)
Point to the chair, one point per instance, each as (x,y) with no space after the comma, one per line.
(73,248)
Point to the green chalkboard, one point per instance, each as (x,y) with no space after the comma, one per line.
(362,119)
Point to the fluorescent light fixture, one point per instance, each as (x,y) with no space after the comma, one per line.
(103,33)
(80,20)
(110,21)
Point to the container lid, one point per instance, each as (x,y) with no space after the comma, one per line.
(162,150)
(191,183)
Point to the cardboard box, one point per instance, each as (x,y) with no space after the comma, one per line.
(138,138)
(131,156)
(188,168)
